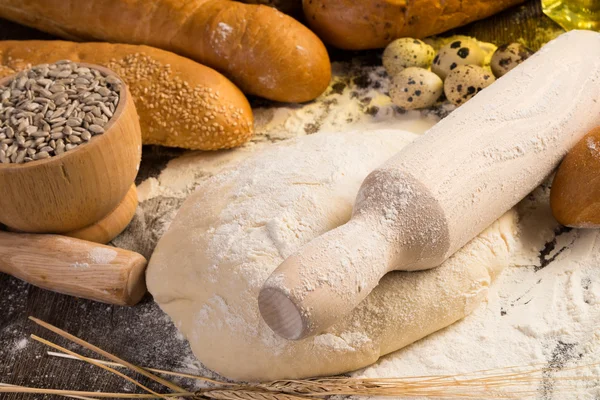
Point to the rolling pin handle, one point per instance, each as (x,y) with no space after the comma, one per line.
(294,309)
(74,267)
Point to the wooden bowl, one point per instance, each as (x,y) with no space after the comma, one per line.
(111,225)
(79,187)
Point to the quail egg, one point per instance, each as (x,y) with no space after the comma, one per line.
(462,51)
(465,82)
(406,52)
(507,57)
(415,87)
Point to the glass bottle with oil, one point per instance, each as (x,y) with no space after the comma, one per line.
(574,14)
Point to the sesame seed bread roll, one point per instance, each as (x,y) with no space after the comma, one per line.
(359,25)
(263,51)
(180,103)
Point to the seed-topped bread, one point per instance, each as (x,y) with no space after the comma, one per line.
(180,103)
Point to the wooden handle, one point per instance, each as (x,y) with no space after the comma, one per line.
(332,274)
(74,267)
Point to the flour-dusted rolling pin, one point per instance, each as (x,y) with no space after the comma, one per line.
(443,189)
(74,267)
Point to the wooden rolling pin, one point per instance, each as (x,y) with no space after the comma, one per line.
(444,188)
(74,267)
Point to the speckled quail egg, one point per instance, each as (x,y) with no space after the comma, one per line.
(507,57)
(415,88)
(465,82)
(406,52)
(462,51)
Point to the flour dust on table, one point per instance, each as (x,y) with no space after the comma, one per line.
(358,98)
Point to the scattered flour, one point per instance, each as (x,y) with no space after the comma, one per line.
(102,255)
(593,146)
(21,344)
(543,309)
(224,29)
(219,36)
(349,104)
(80,265)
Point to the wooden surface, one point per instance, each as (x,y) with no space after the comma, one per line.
(137,334)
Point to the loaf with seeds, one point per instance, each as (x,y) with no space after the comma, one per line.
(180,103)
(263,51)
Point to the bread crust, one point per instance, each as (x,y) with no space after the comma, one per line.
(180,103)
(265,52)
(575,193)
(359,25)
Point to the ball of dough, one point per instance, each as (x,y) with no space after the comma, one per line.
(454,54)
(465,82)
(406,52)
(507,57)
(415,88)
(240,224)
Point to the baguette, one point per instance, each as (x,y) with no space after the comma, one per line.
(180,102)
(265,52)
(359,25)
(575,193)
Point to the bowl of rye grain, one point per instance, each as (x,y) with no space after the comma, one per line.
(70,146)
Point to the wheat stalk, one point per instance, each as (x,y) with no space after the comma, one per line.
(22,387)
(158,371)
(500,383)
(246,393)
(79,394)
(90,361)
(106,354)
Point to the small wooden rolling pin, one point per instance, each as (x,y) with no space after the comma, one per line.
(74,267)
(446,187)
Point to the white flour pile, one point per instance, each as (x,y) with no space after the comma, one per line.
(102,255)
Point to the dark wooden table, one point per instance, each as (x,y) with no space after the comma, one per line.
(142,334)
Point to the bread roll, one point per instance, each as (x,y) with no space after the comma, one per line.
(575,193)
(357,25)
(265,52)
(180,102)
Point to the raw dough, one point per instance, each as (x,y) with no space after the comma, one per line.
(241,224)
